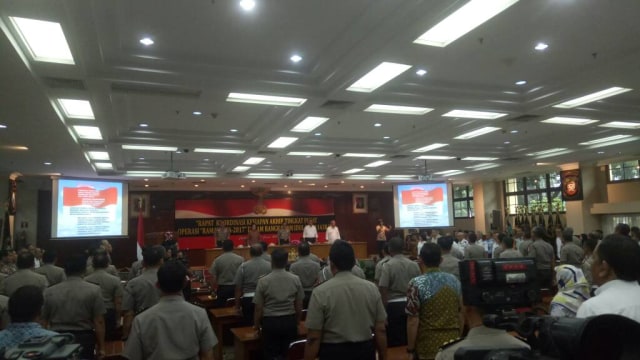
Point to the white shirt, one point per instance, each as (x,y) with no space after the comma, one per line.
(558,246)
(420,243)
(310,231)
(614,297)
(332,234)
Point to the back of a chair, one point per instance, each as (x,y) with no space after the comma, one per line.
(296,350)
(230,302)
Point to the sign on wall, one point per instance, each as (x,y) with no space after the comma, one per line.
(571,185)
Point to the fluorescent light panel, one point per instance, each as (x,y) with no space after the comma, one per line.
(282,142)
(265,99)
(475,133)
(379,76)
(309,124)
(98,155)
(241,168)
(602,94)
(398,109)
(470,114)
(306,176)
(622,125)
(363,177)
(615,142)
(562,120)
(264,176)
(76,109)
(430,147)
(466,18)
(253,161)
(545,152)
(377,163)
(218,151)
(449,172)
(309,153)
(144,173)
(479,158)
(45,40)
(149,147)
(434,157)
(362,155)
(352,171)
(482,166)
(399,177)
(88,132)
(199,174)
(103,165)
(606,139)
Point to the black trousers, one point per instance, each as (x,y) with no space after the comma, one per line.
(278,332)
(224,293)
(110,324)
(380,247)
(86,339)
(248,309)
(397,324)
(283,241)
(364,350)
(310,240)
(305,301)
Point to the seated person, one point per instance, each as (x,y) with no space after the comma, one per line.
(573,290)
(25,305)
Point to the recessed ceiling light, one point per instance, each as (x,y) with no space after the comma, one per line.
(562,120)
(240,168)
(469,114)
(149,147)
(47,163)
(233,130)
(622,125)
(76,109)
(421,72)
(146,41)
(265,99)
(600,152)
(309,124)
(44,40)
(466,18)
(377,124)
(386,137)
(521,82)
(218,151)
(507,142)
(604,140)
(479,158)
(144,125)
(146,185)
(429,147)
(379,76)
(363,155)
(541,46)
(352,171)
(197,113)
(282,142)
(398,109)
(242,186)
(103,166)
(549,151)
(247,5)
(478,132)
(140,158)
(514,131)
(326,186)
(599,95)
(361,186)
(196,185)
(296,58)
(3,126)
(98,155)
(253,161)
(317,134)
(377,163)
(207,159)
(146,179)
(434,157)
(309,153)
(88,132)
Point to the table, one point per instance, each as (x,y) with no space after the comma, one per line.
(220,318)
(320,250)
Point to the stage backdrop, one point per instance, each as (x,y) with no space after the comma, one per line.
(196,220)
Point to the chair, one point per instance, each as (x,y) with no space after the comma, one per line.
(230,302)
(296,350)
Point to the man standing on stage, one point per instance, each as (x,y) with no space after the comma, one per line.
(222,233)
(381,235)
(310,233)
(333,233)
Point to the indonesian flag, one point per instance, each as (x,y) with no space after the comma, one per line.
(140,237)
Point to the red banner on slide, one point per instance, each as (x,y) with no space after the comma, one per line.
(420,196)
(88,196)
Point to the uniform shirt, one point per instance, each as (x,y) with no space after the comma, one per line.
(326,274)
(309,231)
(21,278)
(345,309)
(378,269)
(266,257)
(614,297)
(54,274)
(571,254)
(225,266)
(524,247)
(307,271)
(543,253)
(136,270)
(396,274)
(284,234)
(154,336)
(482,336)
(109,286)
(110,270)
(450,265)
(277,292)
(141,293)
(72,305)
(248,274)
(457,251)
(222,234)
(474,251)
(497,251)
(332,234)
(509,254)
(16,333)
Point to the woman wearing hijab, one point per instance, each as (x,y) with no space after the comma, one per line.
(573,289)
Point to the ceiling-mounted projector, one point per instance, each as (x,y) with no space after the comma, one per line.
(173,175)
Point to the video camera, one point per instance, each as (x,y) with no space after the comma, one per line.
(56,347)
(506,291)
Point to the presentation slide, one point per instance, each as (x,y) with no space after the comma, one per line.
(89,208)
(423,205)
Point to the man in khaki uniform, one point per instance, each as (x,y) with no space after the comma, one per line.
(342,313)
(570,253)
(542,251)
(381,262)
(449,262)
(394,281)
(24,276)
(278,307)
(223,272)
(473,250)
(509,251)
(306,269)
(111,291)
(53,273)
(246,281)
(526,242)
